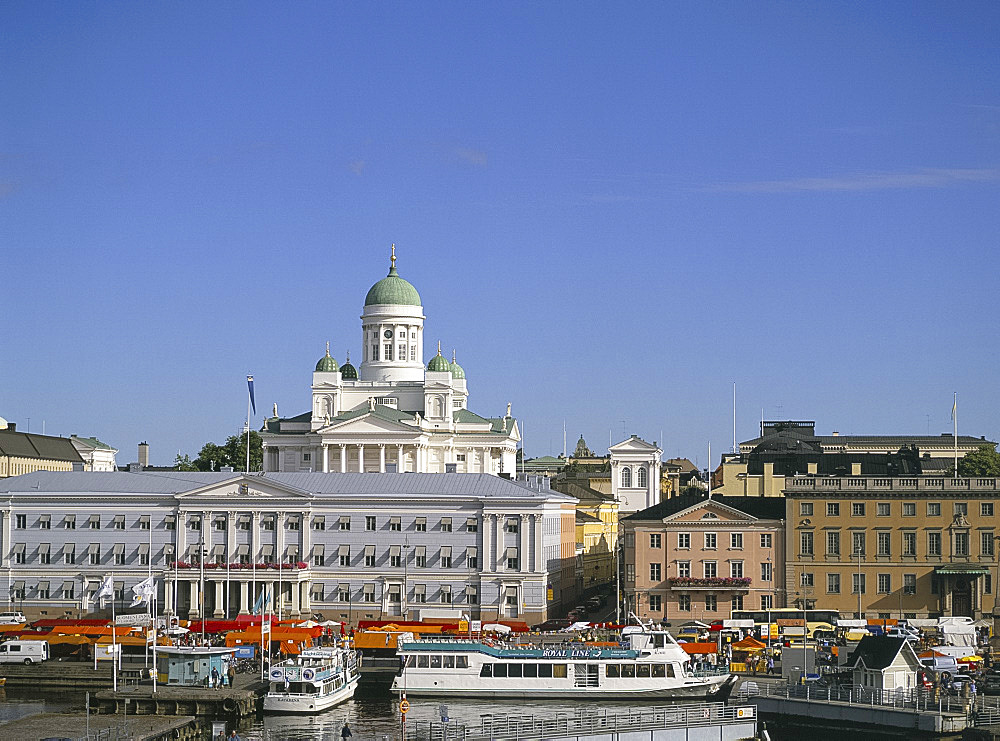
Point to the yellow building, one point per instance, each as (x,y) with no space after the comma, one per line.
(24,452)
(912,547)
(596,534)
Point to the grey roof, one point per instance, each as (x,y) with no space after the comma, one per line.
(44,447)
(895,441)
(878,652)
(90,442)
(764,508)
(374,484)
(462,416)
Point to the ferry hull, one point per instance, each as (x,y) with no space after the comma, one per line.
(278,702)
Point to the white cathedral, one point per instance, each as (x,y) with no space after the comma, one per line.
(392,413)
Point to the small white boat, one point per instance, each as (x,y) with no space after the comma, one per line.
(313,681)
(649,664)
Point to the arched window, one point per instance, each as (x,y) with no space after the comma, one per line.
(640,478)
(626,478)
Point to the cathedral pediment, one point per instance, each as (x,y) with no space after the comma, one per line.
(366,425)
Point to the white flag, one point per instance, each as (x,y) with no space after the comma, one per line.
(143,592)
(107,589)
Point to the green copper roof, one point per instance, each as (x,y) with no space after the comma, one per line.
(348,372)
(393,290)
(438,363)
(327,364)
(457,371)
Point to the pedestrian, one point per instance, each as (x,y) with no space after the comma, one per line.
(232,674)
(345,732)
(215,678)
(234,736)
(770,665)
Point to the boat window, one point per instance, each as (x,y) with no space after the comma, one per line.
(514,670)
(670,670)
(499,670)
(409,661)
(559,671)
(423,662)
(659,671)
(448,662)
(486,670)
(628,671)
(659,640)
(613,671)
(545,670)
(436,661)
(461,662)
(531,670)
(642,670)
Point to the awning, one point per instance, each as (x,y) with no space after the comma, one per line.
(446,551)
(511,552)
(369,589)
(510,591)
(119,522)
(168,549)
(446,589)
(244,519)
(343,550)
(344,587)
(143,549)
(472,551)
(119,586)
(394,551)
(70,520)
(243,549)
(319,522)
(420,589)
(18,585)
(170,521)
(345,522)
(46,519)
(18,548)
(445,523)
(319,549)
(292,550)
(317,587)
(369,550)
(69,585)
(219,518)
(94,548)
(42,586)
(420,551)
(394,522)
(961,569)
(218,551)
(43,547)
(194,521)
(421,521)
(144,522)
(94,519)
(119,549)
(294,519)
(69,548)
(267,550)
(472,522)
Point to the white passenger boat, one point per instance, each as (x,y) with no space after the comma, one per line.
(648,664)
(316,679)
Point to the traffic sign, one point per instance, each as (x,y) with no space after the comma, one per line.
(404,706)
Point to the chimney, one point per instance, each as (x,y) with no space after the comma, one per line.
(835,433)
(144,454)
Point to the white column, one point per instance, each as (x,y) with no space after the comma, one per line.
(496,526)
(539,553)
(361,458)
(400,464)
(343,458)
(168,592)
(326,458)
(193,601)
(6,545)
(305,600)
(381,458)
(295,598)
(254,536)
(487,559)
(219,612)
(305,535)
(523,555)
(485,453)
(245,605)
(279,537)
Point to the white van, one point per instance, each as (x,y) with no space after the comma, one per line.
(24,652)
(12,618)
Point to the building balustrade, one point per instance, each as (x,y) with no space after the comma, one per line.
(720,582)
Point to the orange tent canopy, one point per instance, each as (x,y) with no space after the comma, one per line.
(749,643)
(931,654)
(699,648)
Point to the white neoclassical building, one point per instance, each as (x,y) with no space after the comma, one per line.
(392,413)
(635,474)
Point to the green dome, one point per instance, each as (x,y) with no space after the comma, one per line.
(348,372)
(327,364)
(439,364)
(457,371)
(393,290)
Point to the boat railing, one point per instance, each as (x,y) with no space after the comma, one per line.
(586,722)
(914,698)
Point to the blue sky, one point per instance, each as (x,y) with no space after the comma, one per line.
(612,212)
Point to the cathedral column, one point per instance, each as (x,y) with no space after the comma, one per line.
(343,458)
(244,606)
(487,543)
(381,458)
(539,552)
(400,462)
(485,453)
(523,530)
(326,458)
(361,458)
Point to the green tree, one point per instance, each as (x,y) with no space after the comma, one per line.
(984,461)
(184,463)
(233,453)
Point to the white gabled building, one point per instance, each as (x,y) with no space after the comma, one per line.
(635,474)
(392,413)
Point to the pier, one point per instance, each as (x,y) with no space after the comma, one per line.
(77,727)
(238,702)
(685,722)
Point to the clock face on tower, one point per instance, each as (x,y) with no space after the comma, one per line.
(387,334)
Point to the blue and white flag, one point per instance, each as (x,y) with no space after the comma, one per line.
(143,592)
(258,605)
(253,403)
(107,589)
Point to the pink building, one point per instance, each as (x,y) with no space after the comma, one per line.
(698,558)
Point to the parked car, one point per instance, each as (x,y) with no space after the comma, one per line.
(991,684)
(12,618)
(553,624)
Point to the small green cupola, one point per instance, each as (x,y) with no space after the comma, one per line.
(438,363)
(392,289)
(456,370)
(347,371)
(327,364)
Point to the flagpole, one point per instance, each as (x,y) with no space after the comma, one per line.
(954,419)
(249,402)
(153,613)
(114,642)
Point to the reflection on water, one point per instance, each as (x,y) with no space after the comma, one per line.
(18,702)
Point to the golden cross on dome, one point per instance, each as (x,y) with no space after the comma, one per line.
(392,259)
(328,348)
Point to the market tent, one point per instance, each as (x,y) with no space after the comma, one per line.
(749,644)
(699,648)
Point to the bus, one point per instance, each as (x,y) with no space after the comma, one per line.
(775,620)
